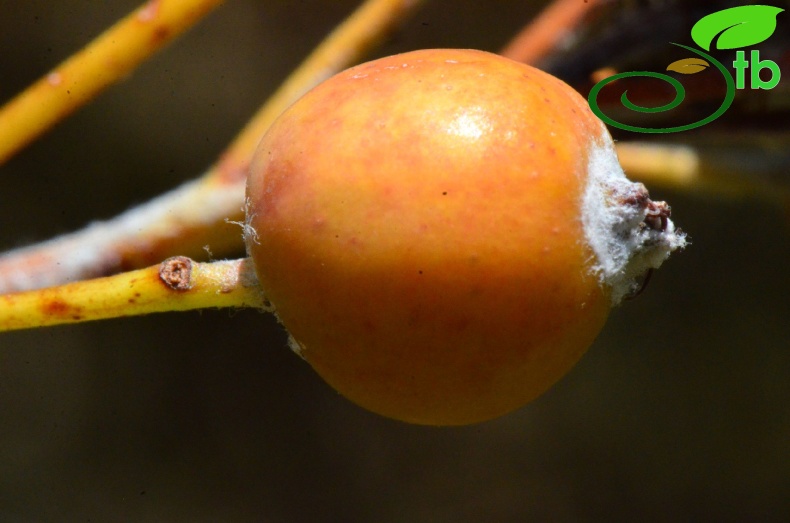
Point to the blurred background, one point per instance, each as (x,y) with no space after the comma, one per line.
(680,411)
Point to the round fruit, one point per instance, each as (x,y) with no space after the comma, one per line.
(439,232)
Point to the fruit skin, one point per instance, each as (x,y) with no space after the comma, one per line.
(415,221)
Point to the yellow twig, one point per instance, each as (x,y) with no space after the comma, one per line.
(756,169)
(176,284)
(109,58)
(343,47)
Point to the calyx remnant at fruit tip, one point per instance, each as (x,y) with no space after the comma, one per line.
(629,233)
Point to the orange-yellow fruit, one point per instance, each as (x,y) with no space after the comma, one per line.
(417,222)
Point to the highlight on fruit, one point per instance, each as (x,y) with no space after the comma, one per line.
(442,232)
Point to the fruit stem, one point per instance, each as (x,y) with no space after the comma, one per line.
(176,284)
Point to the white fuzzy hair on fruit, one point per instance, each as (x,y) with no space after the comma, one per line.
(615,212)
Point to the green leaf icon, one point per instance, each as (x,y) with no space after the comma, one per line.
(738,27)
(688,65)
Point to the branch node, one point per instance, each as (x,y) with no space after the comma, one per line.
(176,273)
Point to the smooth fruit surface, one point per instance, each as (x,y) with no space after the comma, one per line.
(417,228)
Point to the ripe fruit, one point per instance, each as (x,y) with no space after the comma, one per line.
(443,232)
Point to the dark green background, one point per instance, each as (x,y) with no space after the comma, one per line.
(679,412)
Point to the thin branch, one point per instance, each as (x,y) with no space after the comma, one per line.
(547,31)
(109,58)
(756,168)
(198,213)
(343,47)
(176,284)
(136,238)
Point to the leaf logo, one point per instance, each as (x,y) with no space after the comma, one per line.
(731,28)
(688,66)
(736,27)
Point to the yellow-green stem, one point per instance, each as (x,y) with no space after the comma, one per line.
(176,284)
